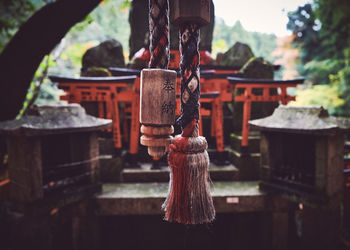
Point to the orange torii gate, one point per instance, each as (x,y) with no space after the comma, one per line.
(248,97)
(218,85)
(207,96)
(107,92)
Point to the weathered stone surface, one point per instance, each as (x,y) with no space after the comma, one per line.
(254,142)
(107,54)
(257,67)
(146,198)
(42,144)
(110,168)
(96,72)
(47,119)
(309,119)
(106,146)
(145,174)
(305,138)
(25,154)
(247,158)
(237,55)
(247,163)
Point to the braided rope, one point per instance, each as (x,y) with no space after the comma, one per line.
(189,200)
(159,31)
(189,69)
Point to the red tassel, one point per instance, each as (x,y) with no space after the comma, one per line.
(189,200)
(178,203)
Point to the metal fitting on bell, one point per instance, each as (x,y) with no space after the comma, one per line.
(194,11)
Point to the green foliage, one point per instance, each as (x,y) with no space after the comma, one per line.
(108,20)
(342,78)
(82,25)
(13,14)
(303,24)
(71,56)
(226,36)
(41,90)
(219,46)
(334,16)
(97,72)
(49,93)
(334,96)
(112,17)
(319,71)
(326,95)
(322,32)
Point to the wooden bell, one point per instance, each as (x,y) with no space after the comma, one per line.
(158,106)
(194,11)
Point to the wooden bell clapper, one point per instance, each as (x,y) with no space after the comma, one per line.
(158,85)
(189,200)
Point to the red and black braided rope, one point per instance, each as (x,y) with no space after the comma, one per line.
(189,69)
(159,31)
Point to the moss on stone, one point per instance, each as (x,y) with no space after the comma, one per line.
(237,55)
(97,72)
(257,67)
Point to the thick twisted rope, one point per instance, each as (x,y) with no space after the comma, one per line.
(159,33)
(189,200)
(189,40)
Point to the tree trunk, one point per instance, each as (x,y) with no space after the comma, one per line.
(35,39)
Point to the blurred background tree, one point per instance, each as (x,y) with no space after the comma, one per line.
(322,34)
(34,38)
(226,36)
(108,20)
(318,50)
(12,15)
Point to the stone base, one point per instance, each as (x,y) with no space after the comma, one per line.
(247,164)
(146,174)
(44,232)
(146,198)
(106,145)
(253,142)
(54,202)
(43,224)
(246,159)
(110,168)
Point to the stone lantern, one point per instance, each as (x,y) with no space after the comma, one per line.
(53,152)
(302,150)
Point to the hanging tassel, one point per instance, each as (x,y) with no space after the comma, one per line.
(189,200)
